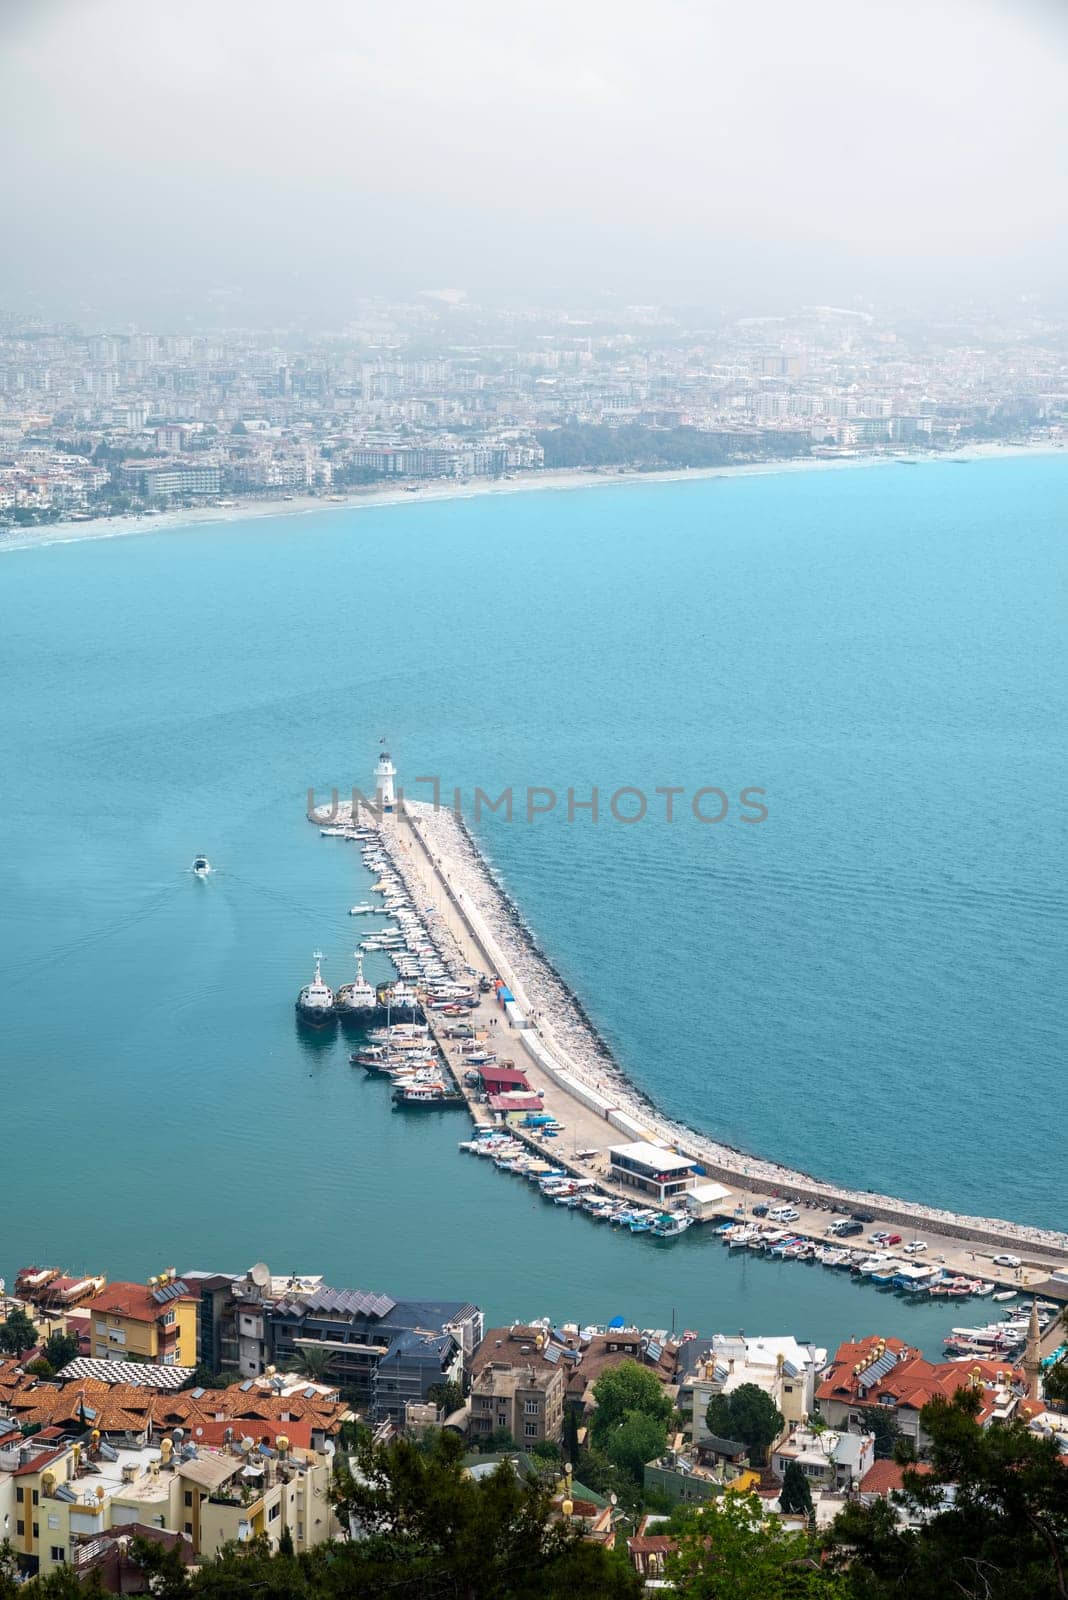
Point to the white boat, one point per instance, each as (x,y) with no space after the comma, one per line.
(358,997)
(671,1224)
(361,911)
(201,867)
(315,1003)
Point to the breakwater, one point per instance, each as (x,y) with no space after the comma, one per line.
(558,1036)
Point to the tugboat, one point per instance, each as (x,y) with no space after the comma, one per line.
(201,866)
(357,1000)
(315,1003)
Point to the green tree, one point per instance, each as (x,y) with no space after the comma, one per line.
(162,1566)
(430,1529)
(626,1388)
(17,1333)
(499,1440)
(638,1438)
(747,1415)
(285,1543)
(730,1551)
(1055,1377)
(992,1515)
(59,1348)
(448,1397)
(796,1494)
(546,1450)
(882,1422)
(571,1435)
(250,1571)
(203,1377)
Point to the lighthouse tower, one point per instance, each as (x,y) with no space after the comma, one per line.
(385,793)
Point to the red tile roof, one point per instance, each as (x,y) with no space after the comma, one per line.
(912,1381)
(882,1477)
(133,1300)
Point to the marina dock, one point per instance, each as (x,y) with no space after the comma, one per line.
(541,1026)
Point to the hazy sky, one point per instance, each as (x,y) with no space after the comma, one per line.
(299,153)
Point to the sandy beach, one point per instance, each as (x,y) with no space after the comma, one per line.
(58,533)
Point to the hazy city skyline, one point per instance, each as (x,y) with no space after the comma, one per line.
(259,161)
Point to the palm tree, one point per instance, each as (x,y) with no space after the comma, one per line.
(312,1361)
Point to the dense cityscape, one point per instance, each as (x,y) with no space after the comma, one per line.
(209,1416)
(109,422)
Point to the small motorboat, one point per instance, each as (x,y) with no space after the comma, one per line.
(201,867)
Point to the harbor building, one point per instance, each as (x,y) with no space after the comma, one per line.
(154,1322)
(527,1401)
(656,1172)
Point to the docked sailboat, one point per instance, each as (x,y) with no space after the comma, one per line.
(315,1003)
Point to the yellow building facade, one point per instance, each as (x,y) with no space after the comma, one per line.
(154,1322)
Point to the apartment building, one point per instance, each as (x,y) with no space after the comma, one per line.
(155,1322)
(527,1401)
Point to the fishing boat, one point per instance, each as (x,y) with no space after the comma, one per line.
(426,1096)
(671,1224)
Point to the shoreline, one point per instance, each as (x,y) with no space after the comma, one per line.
(566,1046)
(376,497)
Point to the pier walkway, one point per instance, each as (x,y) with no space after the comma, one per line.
(585,1090)
(550,1038)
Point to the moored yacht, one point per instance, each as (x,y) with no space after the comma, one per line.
(315,1003)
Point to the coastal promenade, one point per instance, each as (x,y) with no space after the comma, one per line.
(587,1091)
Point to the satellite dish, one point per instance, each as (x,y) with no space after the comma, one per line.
(260,1274)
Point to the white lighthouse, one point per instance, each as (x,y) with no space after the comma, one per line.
(385,793)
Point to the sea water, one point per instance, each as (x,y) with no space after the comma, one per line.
(868,984)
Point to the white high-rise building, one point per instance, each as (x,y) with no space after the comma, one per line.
(385,792)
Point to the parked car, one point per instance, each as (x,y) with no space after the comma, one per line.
(914,1247)
(760,1211)
(1006,1261)
(893,1238)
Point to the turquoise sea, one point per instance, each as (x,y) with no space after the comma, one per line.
(869,984)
